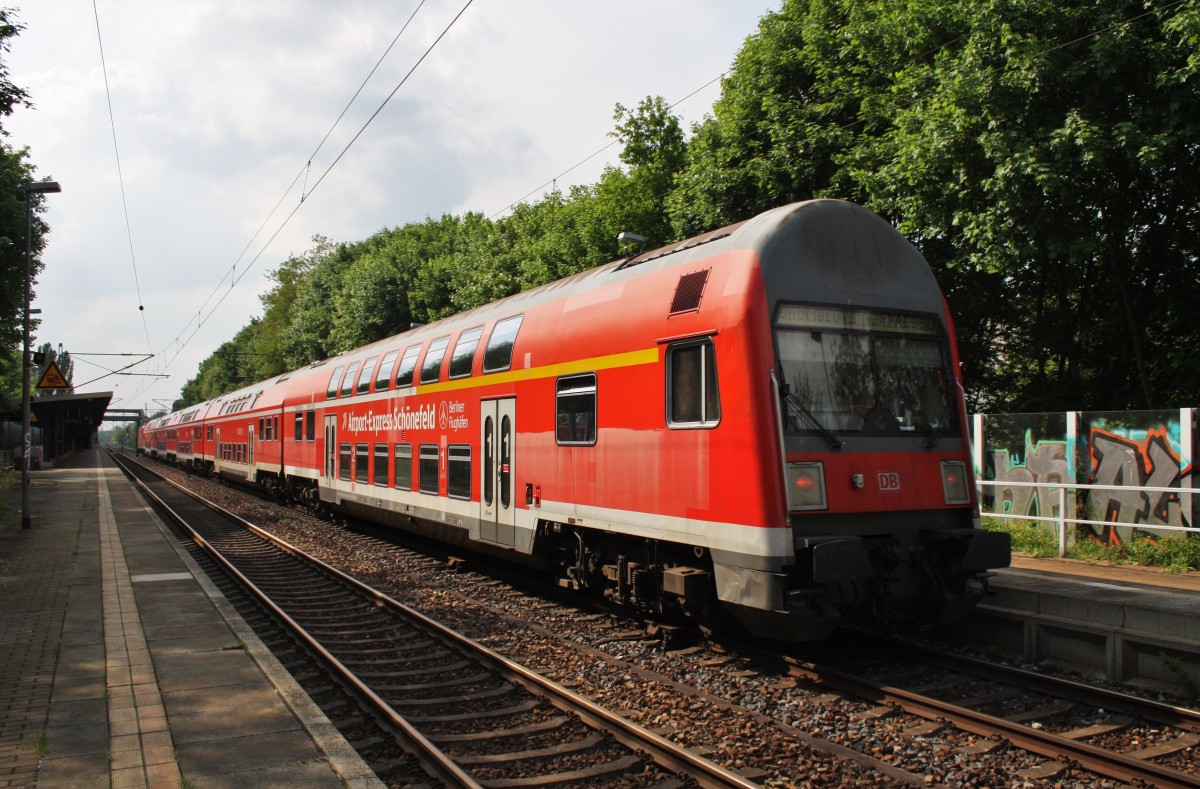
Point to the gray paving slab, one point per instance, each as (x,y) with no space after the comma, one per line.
(100,606)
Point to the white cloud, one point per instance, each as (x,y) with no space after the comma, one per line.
(219,105)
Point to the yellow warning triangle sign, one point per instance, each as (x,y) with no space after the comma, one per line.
(52,379)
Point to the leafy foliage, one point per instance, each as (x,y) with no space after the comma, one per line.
(15,172)
(1043,157)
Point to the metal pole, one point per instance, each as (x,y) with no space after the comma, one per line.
(26,431)
(31,188)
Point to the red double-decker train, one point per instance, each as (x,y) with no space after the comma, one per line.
(763,423)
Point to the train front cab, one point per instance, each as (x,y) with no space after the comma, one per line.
(880,496)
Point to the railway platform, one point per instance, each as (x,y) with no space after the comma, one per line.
(1125,624)
(121,665)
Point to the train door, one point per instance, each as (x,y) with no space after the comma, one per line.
(330,448)
(216,449)
(497,507)
(250,447)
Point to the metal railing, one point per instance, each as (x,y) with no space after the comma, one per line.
(1061,520)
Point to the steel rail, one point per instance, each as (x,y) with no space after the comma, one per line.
(664,752)
(432,758)
(1174,715)
(1097,760)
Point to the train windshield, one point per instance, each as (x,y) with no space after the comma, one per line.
(863,371)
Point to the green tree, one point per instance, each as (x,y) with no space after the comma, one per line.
(308,337)
(15,172)
(1042,156)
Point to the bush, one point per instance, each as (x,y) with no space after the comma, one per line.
(1176,554)
(1027,537)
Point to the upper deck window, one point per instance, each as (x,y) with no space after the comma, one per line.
(408,363)
(497,357)
(463,357)
(331,390)
(384,379)
(864,371)
(431,367)
(364,378)
(348,381)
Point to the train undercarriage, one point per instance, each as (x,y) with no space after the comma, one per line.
(900,580)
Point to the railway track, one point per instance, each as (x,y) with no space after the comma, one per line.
(469,716)
(889,711)
(1040,714)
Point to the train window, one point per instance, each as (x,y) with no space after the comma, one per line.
(575,410)
(427,469)
(863,371)
(384,378)
(408,363)
(362,457)
(380,475)
(298,428)
(348,381)
(431,367)
(463,357)
(364,378)
(458,481)
(404,476)
(331,390)
(344,461)
(692,396)
(262,433)
(208,432)
(497,357)
(310,425)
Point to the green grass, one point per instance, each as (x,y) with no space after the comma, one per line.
(1175,554)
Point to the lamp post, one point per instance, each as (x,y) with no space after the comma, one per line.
(31,188)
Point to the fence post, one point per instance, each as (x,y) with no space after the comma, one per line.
(1062,522)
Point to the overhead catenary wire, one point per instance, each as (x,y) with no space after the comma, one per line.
(554,181)
(121,179)
(233,276)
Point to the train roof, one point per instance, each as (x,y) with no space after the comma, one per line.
(800,248)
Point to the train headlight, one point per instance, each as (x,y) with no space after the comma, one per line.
(806,489)
(954,482)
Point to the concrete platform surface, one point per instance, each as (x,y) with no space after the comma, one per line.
(1126,624)
(122,666)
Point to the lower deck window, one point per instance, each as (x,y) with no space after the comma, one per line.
(381,465)
(362,457)
(344,462)
(404,467)
(459,473)
(427,469)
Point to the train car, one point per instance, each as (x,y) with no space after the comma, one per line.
(764,422)
(160,438)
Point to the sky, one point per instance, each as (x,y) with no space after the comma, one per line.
(161,242)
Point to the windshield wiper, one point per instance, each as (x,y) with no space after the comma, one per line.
(792,400)
(935,432)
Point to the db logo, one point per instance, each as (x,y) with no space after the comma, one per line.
(889,480)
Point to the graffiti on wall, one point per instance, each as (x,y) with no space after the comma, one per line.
(1148,460)
(1045,462)
(1110,452)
